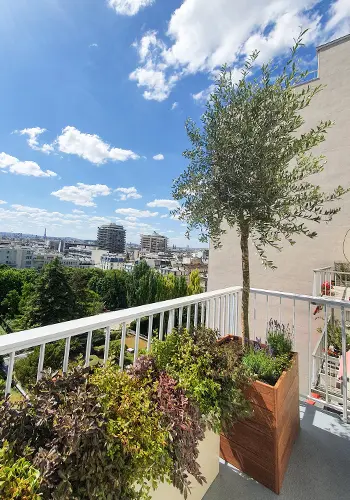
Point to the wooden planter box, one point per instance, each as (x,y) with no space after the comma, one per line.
(208,460)
(261,446)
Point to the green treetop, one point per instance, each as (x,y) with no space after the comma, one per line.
(51,298)
(251,163)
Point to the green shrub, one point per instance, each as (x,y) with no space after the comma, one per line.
(279,338)
(65,428)
(135,425)
(264,366)
(180,416)
(2,386)
(334,336)
(26,368)
(19,480)
(210,373)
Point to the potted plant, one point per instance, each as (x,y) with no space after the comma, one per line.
(145,433)
(214,378)
(261,445)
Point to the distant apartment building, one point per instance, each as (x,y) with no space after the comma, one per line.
(154,243)
(57,245)
(111,237)
(295,264)
(32,258)
(43,258)
(112,261)
(17,257)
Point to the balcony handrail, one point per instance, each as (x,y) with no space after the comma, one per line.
(304,298)
(326,268)
(30,338)
(26,339)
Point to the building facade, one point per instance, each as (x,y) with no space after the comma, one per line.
(111,237)
(154,243)
(110,261)
(17,257)
(295,264)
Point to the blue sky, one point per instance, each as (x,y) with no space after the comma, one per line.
(94,95)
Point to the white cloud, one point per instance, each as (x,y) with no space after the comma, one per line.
(153,73)
(158,157)
(75,211)
(2,202)
(174,105)
(28,168)
(191,45)
(91,147)
(127,193)
(134,212)
(82,194)
(131,219)
(169,204)
(129,7)
(339,22)
(93,45)
(164,216)
(21,218)
(33,134)
(203,95)
(7,160)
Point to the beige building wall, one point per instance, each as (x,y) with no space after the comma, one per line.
(295,264)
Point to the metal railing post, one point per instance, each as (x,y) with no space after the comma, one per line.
(345,372)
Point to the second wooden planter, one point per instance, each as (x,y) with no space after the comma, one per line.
(261,446)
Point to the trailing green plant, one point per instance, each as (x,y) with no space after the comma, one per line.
(63,432)
(279,338)
(209,373)
(136,427)
(109,434)
(180,416)
(2,383)
(19,480)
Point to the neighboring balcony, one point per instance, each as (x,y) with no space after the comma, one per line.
(320,463)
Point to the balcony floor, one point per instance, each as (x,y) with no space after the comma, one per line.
(318,468)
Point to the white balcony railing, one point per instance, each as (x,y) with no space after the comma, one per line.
(207,307)
(219,309)
(338,280)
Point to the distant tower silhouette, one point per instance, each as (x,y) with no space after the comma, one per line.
(45,234)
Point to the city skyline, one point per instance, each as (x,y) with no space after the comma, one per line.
(95,100)
(18,235)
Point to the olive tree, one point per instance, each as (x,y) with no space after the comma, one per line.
(251,163)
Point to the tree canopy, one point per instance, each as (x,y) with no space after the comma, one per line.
(251,162)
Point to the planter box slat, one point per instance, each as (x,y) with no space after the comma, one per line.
(261,446)
(262,395)
(242,459)
(249,438)
(288,414)
(263,421)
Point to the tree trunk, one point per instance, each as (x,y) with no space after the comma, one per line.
(246,282)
